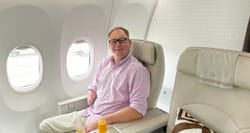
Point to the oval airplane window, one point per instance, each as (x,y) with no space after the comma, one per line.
(24,68)
(78,60)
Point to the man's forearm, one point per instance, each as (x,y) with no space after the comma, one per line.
(123,115)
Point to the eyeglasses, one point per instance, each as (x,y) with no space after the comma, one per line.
(120,40)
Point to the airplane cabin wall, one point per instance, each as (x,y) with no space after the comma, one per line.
(50,26)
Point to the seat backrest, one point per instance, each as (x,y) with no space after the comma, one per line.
(151,55)
(213,86)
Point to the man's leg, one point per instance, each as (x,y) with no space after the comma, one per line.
(62,123)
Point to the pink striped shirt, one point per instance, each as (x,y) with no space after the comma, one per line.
(126,83)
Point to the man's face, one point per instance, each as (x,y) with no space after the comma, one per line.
(119,44)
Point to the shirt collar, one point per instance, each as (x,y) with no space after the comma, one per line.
(122,61)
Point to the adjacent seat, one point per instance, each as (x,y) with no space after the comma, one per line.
(213,86)
(152,56)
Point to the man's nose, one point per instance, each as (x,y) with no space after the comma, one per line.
(117,42)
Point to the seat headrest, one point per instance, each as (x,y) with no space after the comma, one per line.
(218,67)
(144,51)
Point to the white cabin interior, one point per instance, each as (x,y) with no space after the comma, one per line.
(52,26)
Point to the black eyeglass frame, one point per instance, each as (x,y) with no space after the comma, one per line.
(120,40)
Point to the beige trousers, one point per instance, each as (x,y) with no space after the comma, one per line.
(63,123)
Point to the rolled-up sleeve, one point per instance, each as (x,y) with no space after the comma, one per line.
(139,87)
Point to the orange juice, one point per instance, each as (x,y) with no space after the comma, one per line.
(102,126)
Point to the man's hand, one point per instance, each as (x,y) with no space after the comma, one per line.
(123,115)
(91,97)
(90,127)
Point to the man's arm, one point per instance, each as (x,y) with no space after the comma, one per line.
(91,97)
(123,115)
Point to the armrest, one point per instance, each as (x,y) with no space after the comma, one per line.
(74,104)
(153,120)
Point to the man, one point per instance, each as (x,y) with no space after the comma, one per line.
(118,92)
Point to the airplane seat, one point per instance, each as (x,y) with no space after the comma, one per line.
(152,56)
(211,92)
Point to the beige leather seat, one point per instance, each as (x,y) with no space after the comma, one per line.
(213,86)
(152,56)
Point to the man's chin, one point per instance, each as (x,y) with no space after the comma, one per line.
(119,53)
(119,56)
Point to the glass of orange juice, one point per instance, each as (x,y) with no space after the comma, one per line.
(102,126)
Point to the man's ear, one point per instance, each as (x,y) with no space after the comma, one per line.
(130,42)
